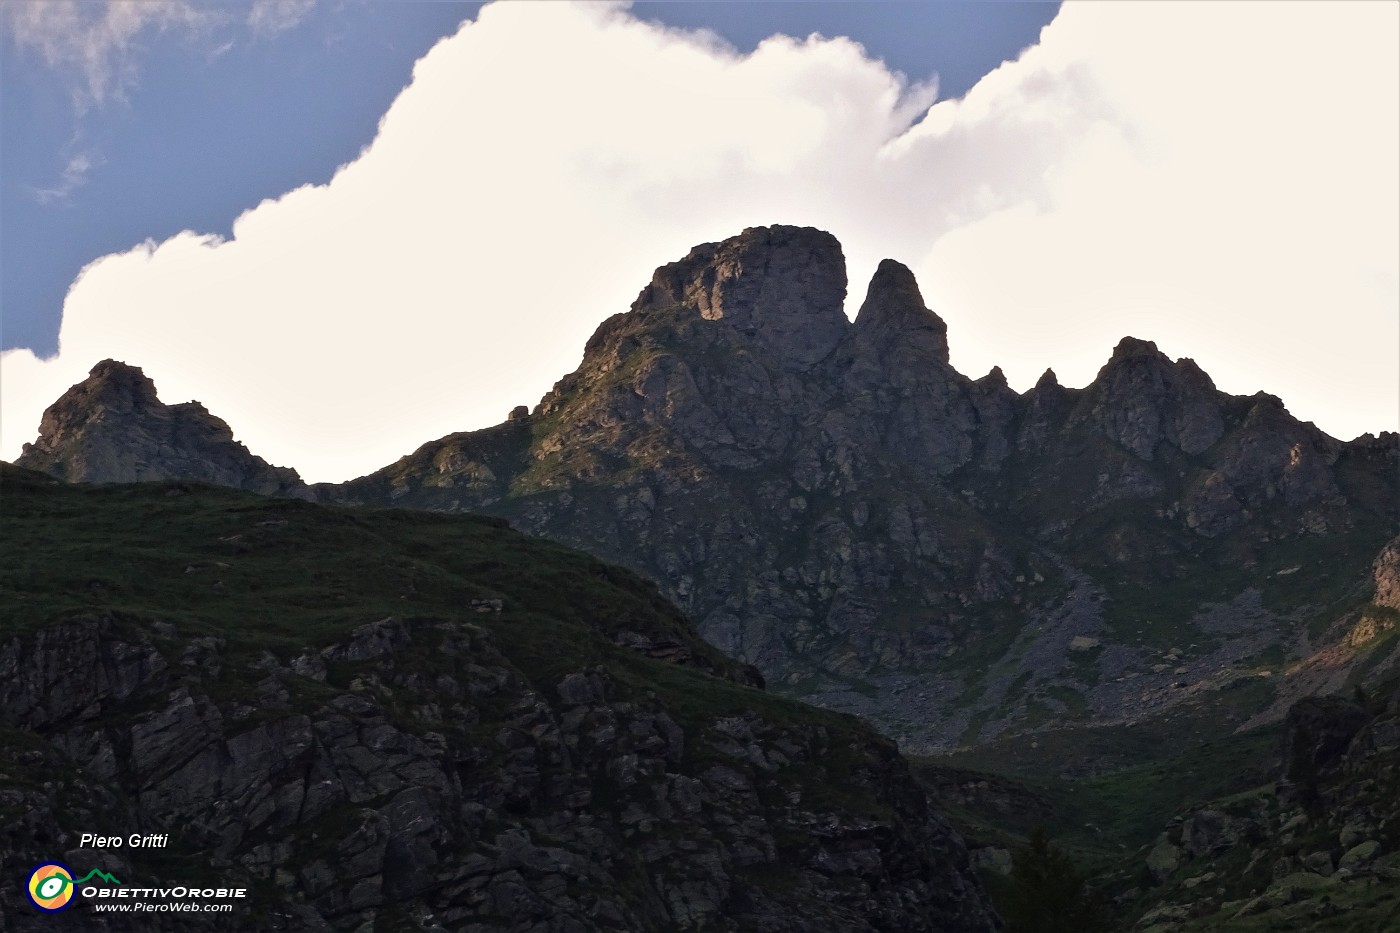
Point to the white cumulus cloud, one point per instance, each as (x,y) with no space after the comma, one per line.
(1219,178)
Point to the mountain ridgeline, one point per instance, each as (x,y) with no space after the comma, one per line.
(832,502)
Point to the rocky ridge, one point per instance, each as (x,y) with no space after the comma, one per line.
(832,502)
(879,533)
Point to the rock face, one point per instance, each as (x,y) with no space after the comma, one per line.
(504,830)
(111,428)
(832,502)
(481,763)
(1386,573)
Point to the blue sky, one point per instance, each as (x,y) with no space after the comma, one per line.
(350,227)
(215,116)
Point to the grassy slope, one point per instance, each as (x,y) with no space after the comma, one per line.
(1098,819)
(283,575)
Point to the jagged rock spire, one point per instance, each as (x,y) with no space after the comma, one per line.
(894,310)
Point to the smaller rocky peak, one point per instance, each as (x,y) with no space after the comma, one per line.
(893,292)
(781,288)
(995,378)
(113,428)
(193,408)
(1269,425)
(1042,406)
(1047,392)
(1130,348)
(1387,442)
(894,309)
(680,282)
(1267,414)
(1138,400)
(1136,367)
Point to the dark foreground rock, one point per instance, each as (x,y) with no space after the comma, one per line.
(494,764)
(1317,850)
(458,799)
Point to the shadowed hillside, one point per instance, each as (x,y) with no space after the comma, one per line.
(405,721)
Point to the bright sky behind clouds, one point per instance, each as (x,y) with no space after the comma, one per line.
(1218,178)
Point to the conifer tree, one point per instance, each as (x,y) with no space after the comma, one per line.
(1047,894)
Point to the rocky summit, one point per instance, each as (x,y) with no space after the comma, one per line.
(111,428)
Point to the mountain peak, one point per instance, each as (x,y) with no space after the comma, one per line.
(1140,398)
(1132,348)
(893,288)
(994,377)
(115,383)
(112,388)
(782,287)
(894,309)
(113,428)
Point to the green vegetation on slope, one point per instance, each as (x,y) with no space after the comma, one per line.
(280,575)
(1099,818)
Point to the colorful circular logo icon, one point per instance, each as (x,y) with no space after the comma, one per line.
(51,887)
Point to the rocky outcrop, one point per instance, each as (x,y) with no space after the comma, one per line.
(895,378)
(462,796)
(1386,574)
(111,428)
(1316,735)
